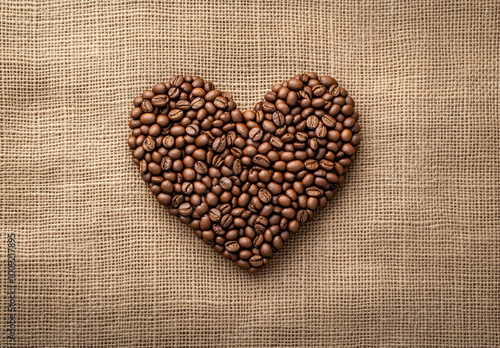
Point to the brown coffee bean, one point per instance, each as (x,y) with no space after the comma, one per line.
(295,166)
(262,160)
(266,250)
(185,209)
(264,196)
(295,84)
(347,110)
(232,246)
(245,243)
(302,216)
(175,115)
(149,144)
(314,191)
(256,261)
(348,149)
(327,81)
(220,102)
(160,100)
(219,144)
(278,118)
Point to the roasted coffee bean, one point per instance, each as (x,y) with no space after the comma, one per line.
(160,100)
(262,161)
(232,246)
(219,144)
(264,195)
(278,118)
(149,144)
(226,183)
(215,215)
(256,261)
(226,220)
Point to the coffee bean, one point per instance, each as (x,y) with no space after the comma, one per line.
(262,160)
(256,261)
(185,209)
(232,246)
(160,100)
(219,144)
(314,191)
(226,183)
(220,102)
(264,195)
(215,215)
(295,84)
(149,144)
(175,115)
(278,118)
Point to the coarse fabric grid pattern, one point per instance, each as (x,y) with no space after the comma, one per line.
(406,254)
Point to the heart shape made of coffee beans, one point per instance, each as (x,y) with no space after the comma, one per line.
(244,181)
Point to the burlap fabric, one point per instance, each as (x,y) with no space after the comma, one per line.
(407,254)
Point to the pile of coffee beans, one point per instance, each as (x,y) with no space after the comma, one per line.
(244,181)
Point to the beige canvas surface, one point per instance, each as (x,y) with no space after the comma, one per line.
(406,255)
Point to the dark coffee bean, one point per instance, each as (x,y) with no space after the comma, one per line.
(262,161)
(327,81)
(295,84)
(266,250)
(284,201)
(175,115)
(242,264)
(314,191)
(256,134)
(278,118)
(256,261)
(295,166)
(318,90)
(326,165)
(197,103)
(276,142)
(226,220)
(245,243)
(154,168)
(237,167)
(321,131)
(348,149)
(147,106)
(232,246)
(277,243)
(160,100)
(177,201)
(264,195)
(220,102)
(312,122)
(347,110)
(149,144)
(302,216)
(215,215)
(318,103)
(136,113)
(328,121)
(185,209)
(219,144)
(226,183)
(164,199)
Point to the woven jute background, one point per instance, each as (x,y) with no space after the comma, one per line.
(407,254)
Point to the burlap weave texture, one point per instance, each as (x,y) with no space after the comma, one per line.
(407,254)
